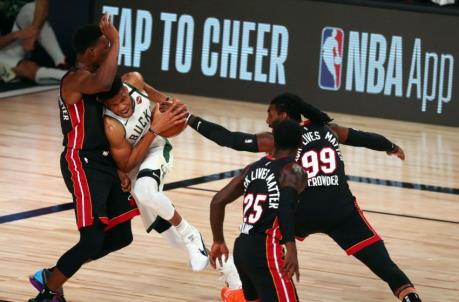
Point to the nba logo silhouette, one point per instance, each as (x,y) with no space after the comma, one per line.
(331,58)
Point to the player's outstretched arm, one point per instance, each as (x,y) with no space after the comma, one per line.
(228,194)
(292,181)
(373,141)
(240,141)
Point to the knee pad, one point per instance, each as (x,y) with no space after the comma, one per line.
(160,225)
(150,199)
(145,188)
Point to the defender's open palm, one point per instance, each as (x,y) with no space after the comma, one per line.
(217,252)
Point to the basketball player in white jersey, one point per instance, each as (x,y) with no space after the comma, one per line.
(127,121)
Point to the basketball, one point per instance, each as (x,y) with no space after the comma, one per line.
(174,131)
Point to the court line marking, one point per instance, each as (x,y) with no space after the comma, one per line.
(187,183)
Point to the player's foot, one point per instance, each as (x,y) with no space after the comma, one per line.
(229,272)
(47,296)
(197,252)
(232,295)
(411,297)
(6,73)
(38,280)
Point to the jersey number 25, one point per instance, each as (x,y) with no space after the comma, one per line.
(252,207)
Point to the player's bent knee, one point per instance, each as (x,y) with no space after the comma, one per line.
(148,195)
(145,188)
(125,240)
(91,244)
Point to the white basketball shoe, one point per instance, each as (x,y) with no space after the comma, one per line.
(229,272)
(197,252)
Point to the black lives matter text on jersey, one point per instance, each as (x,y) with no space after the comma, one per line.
(260,185)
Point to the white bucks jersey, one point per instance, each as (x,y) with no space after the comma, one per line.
(137,125)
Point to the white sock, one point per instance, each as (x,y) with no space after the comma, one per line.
(173,238)
(49,75)
(184,228)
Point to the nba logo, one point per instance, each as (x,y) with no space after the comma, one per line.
(331,58)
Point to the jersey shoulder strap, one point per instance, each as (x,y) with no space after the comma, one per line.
(132,89)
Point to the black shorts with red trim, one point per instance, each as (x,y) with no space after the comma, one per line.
(347,226)
(259,259)
(91,178)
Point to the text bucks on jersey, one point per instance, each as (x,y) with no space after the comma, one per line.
(136,126)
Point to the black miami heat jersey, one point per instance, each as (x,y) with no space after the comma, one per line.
(261,195)
(320,155)
(82,123)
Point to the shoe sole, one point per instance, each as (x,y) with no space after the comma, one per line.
(39,287)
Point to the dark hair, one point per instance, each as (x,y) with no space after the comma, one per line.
(287,134)
(116,87)
(295,107)
(85,37)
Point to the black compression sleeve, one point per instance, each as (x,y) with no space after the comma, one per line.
(236,140)
(369,140)
(287,205)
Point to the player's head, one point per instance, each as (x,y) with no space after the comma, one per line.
(291,106)
(117,99)
(287,134)
(90,44)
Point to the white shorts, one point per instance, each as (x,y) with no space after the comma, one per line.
(159,160)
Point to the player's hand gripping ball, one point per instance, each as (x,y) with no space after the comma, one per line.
(177,129)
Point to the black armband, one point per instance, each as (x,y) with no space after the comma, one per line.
(369,140)
(287,204)
(235,140)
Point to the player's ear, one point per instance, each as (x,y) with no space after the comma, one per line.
(90,53)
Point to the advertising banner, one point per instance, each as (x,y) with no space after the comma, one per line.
(343,58)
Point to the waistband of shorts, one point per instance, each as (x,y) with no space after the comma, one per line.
(104,152)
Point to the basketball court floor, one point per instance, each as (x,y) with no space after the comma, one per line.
(413,205)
